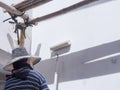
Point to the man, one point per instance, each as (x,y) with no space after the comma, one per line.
(23,76)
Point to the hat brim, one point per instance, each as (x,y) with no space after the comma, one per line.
(34,60)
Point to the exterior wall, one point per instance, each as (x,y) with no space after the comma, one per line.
(93,33)
(2,85)
(86,27)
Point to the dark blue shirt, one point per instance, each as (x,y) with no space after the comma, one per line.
(34,81)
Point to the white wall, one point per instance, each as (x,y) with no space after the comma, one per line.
(85,28)
(110,82)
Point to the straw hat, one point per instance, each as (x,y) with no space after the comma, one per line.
(17,55)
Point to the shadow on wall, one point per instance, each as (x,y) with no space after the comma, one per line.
(2,82)
(1,85)
(91,62)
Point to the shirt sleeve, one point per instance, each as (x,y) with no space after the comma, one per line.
(42,81)
(44,85)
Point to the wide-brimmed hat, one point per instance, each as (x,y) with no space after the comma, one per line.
(19,54)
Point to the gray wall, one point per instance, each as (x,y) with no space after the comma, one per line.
(1,85)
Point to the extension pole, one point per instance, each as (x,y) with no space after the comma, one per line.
(22,38)
(57,73)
